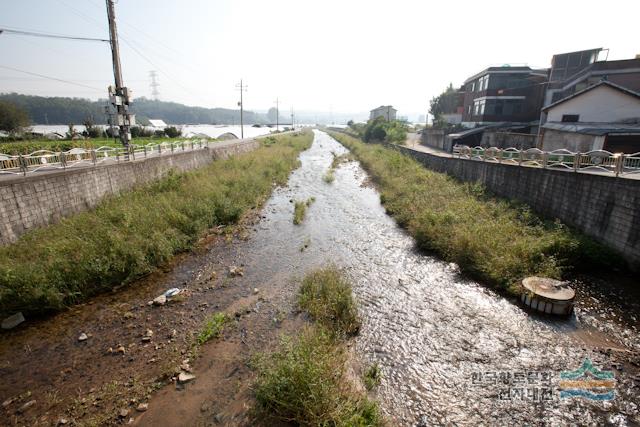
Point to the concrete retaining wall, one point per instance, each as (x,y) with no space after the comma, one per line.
(521,141)
(44,198)
(604,207)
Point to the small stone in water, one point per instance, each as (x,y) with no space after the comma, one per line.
(83,337)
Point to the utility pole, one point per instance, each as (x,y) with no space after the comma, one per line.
(154,85)
(293,126)
(120,95)
(277,114)
(243,88)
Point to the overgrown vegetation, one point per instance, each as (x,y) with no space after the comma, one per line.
(372,376)
(300,209)
(128,235)
(31,145)
(329,177)
(305,380)
(381,130)
(328,299)
(13,119)
(491,239)
(212,327)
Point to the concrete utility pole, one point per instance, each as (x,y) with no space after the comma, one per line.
(243,88)
(120,95)
(277,114)
(154,85)
(293,126)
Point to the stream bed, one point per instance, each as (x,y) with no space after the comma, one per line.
(451,351)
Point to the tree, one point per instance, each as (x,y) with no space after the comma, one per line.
(13,119)
(446,102)
(91,130)
(350,123)
(272,114)
(172,132)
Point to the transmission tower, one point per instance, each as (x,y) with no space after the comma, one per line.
(154,85)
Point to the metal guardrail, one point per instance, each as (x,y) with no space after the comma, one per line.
(597,160)
(42,160)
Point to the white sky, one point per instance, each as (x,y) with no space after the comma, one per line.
(347,55)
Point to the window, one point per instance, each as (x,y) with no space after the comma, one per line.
(478,107)
(570,118)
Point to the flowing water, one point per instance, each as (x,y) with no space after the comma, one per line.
(450,350)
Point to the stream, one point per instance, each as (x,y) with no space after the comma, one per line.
(451,351)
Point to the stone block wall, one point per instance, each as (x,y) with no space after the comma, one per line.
(40,198)
(604,207)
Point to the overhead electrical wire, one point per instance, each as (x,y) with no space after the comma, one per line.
(51,78)
(52,36)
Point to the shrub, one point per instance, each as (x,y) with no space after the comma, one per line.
(328,298)
(213,327)
(304,382)
(13,119)
(299,211)
(172,132)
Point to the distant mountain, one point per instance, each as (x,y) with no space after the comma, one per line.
(58,111)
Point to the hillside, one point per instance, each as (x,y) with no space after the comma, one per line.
(59,110)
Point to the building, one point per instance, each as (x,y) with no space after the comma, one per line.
(603,116)
(503,94)
(588,69)
(385,111)
(157,123)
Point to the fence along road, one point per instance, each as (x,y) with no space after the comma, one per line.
(602,161)
(13,167)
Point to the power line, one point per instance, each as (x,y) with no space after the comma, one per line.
(52,36)
(51,78)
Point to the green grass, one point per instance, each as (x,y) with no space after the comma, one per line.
(327,296)
(329,177)
(212,327)
(300,209)
(29,146)
(305,380)
(129,235)
(372,376)
(493,240)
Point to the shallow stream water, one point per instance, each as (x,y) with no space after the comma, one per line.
(450,350)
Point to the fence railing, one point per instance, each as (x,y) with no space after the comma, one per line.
(41,160)
(597,160)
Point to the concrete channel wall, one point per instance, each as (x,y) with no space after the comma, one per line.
(604,207)
(43,198)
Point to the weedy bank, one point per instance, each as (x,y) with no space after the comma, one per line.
(305,381)
(494,240)
(129,235)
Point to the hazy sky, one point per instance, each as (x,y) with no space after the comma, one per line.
(346,55)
